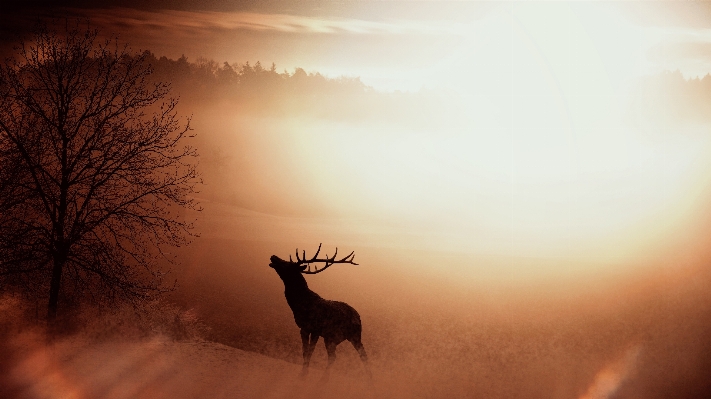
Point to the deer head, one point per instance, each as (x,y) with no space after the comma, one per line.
(303,265)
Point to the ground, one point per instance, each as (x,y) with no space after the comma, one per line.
(161,368)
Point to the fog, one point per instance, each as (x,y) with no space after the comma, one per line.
(432,335)
(615,335)
(449,307)
(532,224)
(446,311)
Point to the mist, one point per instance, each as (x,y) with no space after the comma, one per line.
(531,221)
(446,311)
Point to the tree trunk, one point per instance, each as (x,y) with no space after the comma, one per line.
(54,285)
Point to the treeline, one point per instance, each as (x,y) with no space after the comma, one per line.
(208,77)
(256,89)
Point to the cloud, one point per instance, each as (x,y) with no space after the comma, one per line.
(230,21)
(689,14)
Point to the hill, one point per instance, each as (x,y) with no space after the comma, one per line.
(159,368)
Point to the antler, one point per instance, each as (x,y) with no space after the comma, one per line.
(328,261)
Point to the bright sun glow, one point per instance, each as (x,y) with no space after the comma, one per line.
(540,159)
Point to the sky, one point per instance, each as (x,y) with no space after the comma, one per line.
(543,160)
(402,45)
(542,156)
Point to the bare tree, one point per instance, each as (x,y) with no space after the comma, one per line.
(97,173)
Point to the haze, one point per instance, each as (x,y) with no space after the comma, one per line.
(525,185)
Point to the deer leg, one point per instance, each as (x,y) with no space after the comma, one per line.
(314,340)
(331,349)
(306,352)
(308,347)
(363,356)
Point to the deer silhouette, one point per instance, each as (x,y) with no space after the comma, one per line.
(317,317)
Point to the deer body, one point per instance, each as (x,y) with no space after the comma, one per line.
(317,317)
(332,320)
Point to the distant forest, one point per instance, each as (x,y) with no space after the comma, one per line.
(259,90)
(208,77)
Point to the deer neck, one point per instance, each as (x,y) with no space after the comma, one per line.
(295,284)
(300,299)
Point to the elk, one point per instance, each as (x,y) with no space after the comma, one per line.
(317,317)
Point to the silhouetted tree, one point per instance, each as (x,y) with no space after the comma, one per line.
(227,74)
(95,171)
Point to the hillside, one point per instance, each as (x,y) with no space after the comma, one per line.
(160,368)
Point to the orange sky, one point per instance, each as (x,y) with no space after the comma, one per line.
(542,158)
(538,155)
